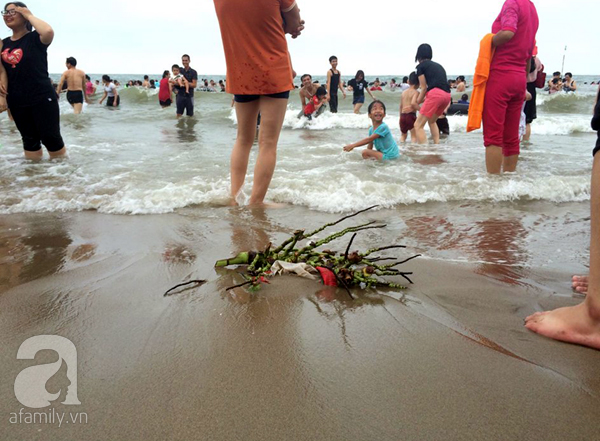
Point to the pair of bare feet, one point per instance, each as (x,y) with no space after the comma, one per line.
(576,324)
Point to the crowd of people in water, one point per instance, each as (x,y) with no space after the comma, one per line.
(260,77)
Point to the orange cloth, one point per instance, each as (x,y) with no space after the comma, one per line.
(256,52)
(482,73)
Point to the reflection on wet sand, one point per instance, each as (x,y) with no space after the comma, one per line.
(501,249)
(498,245)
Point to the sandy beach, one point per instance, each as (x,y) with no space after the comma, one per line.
(447,359)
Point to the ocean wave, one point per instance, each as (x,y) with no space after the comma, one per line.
(138,94)
(543,125)
(562,102)
(339,185)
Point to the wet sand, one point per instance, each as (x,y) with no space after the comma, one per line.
(448,359)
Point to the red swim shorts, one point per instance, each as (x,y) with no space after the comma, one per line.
(435,103)
(407,122)
(504,98)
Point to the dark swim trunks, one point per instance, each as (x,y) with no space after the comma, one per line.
(407,122)
(250,98)
(75,96)
(166,103)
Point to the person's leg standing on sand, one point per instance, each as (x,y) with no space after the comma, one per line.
(247,28)
(580,324)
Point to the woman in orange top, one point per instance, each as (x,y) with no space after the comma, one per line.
(260,76)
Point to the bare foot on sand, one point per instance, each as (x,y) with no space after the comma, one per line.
(580,284)
(575,324)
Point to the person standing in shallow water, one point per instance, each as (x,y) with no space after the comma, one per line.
(580,324)
(31,98)
(515,30)
(76,85)
(435,94)
(185,95)
(260,76)
(333,84)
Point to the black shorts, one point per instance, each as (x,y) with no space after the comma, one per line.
(530,106)
(185,103)
(443,125)
(333,103)
(75,96)
(39,124)
(165,103)
(111,101)
(250,98)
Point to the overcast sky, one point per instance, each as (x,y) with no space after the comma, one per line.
(139,37)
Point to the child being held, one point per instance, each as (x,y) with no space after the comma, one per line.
(408,108)
(179,79)
(380,137)
(316,103)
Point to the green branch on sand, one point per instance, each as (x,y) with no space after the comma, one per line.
(348,270)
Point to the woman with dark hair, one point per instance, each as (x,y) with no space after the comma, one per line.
(31,98)
(110,91)
(435,94)
(514,40)
(165,90)
(359,85)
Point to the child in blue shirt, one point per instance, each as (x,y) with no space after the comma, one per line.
(379,136)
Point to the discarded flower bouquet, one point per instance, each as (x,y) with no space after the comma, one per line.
(348,269)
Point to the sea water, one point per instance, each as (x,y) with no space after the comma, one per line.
(140,159)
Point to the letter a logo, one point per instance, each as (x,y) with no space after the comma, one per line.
(30,384)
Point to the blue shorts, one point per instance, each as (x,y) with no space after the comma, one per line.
(358,99)
(394,154)
(250,98)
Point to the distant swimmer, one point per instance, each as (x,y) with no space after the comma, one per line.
(359,85)
(110,92)
(404,84)
(334,83)
(409,108)
(76,85)
(380,137)
(461,85)
(165,90)
(393,85)
(555,85)
(90,88)
(146,83)
(569,84)
(307,91)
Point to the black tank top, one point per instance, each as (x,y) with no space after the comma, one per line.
(335,82)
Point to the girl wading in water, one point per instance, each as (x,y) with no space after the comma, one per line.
(31,98)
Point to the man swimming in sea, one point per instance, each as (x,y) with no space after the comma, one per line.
(307,91)
(76,85)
